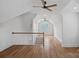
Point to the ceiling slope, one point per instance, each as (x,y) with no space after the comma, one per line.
(12,8)
(72,6)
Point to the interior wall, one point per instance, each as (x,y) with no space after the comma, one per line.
(26,25)
(6,32)
(57,19)
(22,23)
(70,24)
(51,29)
(70,30)
(12,8)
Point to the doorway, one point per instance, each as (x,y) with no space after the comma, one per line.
(46,27)
(43,26)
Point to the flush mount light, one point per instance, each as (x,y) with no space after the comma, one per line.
(75,8)
(44,15)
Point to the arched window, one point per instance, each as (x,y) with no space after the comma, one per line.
(43,26)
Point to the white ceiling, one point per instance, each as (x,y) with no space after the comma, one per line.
(12,8)
(60,3)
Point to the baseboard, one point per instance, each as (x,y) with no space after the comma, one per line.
(70,45)
(23,44)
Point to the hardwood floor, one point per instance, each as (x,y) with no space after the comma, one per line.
(52,49)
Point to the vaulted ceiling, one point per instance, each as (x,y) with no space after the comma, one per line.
(60,3)
(13,8)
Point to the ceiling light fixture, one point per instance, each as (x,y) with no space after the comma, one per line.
(75,8)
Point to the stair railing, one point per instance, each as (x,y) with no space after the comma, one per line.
(30,33)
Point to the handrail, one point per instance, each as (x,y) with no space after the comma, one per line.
(30,33)
(27,33)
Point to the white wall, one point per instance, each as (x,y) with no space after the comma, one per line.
(51,29)
(70,24)
(26,25)
(11,8)
(58,24)
(17,24)
(5,32)
(70,30)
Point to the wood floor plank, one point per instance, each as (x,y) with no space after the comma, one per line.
(52,49)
